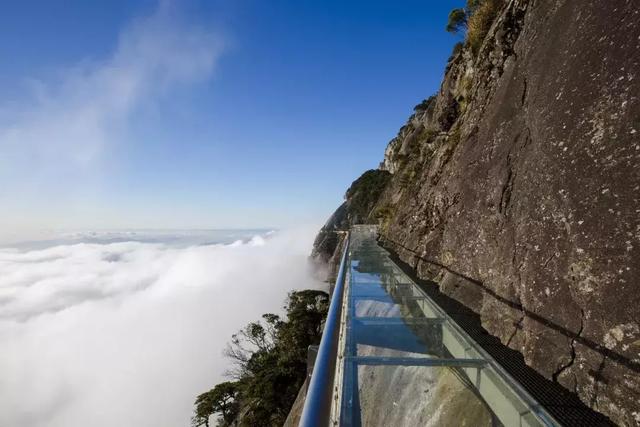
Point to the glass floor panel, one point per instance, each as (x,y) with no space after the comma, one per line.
(358,277)
(388,278)
(387,306)
(397,338)
(365,289)
(392,395)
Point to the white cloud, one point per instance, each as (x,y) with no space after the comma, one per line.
(129,333)
(62,141)
(69,120)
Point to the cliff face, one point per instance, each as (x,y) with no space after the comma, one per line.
(517,188)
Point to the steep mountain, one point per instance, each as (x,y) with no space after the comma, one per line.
(517,188)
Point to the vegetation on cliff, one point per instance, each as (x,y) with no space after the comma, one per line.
(476,18)
(358,208)
(269,360)
(364,193)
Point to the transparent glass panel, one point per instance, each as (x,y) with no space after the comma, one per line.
(368,290)
(397,338)
(358,277)
(382,289)
(388,306)
(389,395)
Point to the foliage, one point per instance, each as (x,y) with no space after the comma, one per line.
(364,193)
(464,95)
(255,337)
(476,18)
(457,20)
(408,175)
(425,104)
(368,182)
(472,5)
(479,22)
(384,215)
(269,358)
(220,399)
(425,135)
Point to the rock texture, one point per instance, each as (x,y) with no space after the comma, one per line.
(517,188)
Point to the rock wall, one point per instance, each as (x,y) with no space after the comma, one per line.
(517,188)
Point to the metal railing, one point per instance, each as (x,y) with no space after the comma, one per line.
(317,405)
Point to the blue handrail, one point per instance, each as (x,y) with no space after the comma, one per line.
(317,405)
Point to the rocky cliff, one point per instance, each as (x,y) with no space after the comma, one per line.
(517,188)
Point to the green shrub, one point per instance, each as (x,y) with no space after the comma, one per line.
(384,215)
(364,193)
(425,104)
(466,85)
(472,5)
(457,20)
(270,358)
(480,20)
(476,18)
(426,135)
(409,174)
(222,399)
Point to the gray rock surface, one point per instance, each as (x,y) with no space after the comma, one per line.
(518,189)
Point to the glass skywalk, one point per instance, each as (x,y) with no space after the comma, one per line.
(403,362)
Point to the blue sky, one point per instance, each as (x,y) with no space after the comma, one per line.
(134,114)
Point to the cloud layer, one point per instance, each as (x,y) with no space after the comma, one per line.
(128,333)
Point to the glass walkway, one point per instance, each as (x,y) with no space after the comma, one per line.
(401,361)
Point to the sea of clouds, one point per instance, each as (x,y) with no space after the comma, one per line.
(126,331)
(118,328)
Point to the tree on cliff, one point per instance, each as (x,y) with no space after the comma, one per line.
(270,363)
(219,400)
(457,20)
(476,18)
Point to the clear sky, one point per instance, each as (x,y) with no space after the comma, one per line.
(237,113)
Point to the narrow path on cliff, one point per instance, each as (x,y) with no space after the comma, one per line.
(406,361)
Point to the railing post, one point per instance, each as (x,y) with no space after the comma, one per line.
(317,405)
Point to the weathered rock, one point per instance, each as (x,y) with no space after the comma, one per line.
(520,191)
